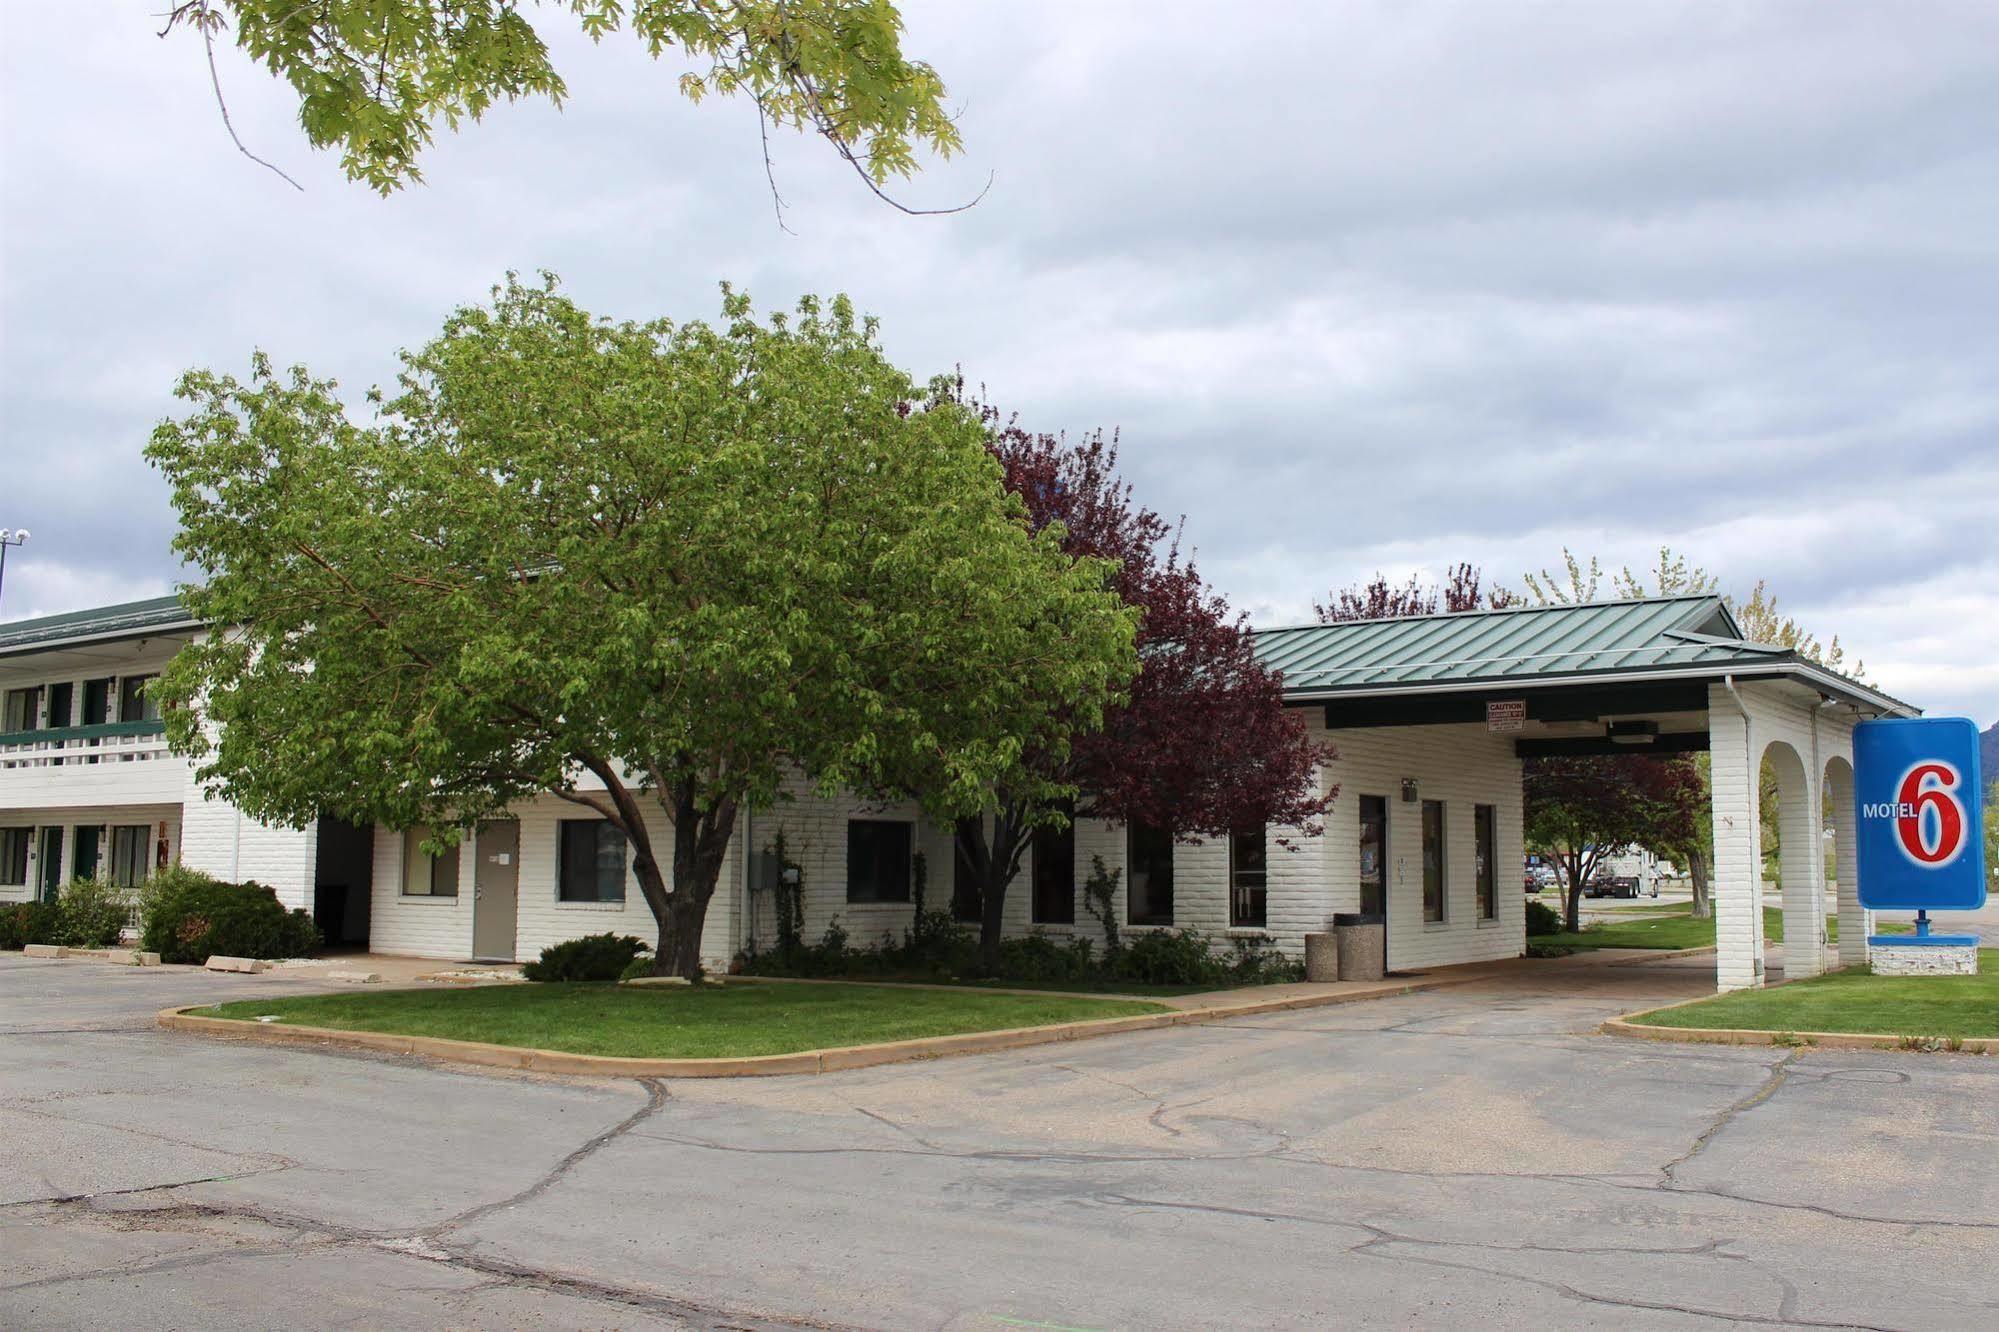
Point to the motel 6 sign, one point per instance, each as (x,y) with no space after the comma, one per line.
(1919,797)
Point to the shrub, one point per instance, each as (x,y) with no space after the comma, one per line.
(91,914)
(1168,957)
(1549,950)
(189,916)
(1099,897)
(24,923)
(594,957)
(1036,957)
(1257,962)
(936,945)
(1543,919)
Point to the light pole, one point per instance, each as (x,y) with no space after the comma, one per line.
(17,537)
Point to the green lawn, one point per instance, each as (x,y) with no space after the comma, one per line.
(664,1022)
(1671,925)
(1853,1000)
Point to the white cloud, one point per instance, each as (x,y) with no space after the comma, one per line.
(1366,286)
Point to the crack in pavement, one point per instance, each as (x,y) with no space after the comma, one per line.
(1773,1079)
(1380,1238)
(1160,1108)
(656,1098)
(1374,1248)
(427,1244)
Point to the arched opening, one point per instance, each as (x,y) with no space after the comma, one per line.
(1790,853)
(1841,860)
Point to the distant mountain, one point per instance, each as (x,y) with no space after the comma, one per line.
(1988,753)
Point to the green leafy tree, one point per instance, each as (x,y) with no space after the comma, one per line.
(630,565)
(375,77)
(1582,810)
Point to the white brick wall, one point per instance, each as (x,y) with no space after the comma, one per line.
(442,927)
(1462,766)
(1307,882)
(218,839)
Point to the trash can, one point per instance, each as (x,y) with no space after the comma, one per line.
(1322,957)
(1363,945)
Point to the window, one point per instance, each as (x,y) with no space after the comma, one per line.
(1055,872)
(966,900)
(877,860)
(1433,861)
(1483,824)
(88,848)
(1248,871)
(14,855)
(131,854)
(136,701)
(1149,876)
(1373,855)
(23,709)
(62,701)
(96,702)
(591,862)
(425,875)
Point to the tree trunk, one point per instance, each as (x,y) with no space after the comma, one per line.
(1572,905)
(700,843)
(1697,871)
(994,862)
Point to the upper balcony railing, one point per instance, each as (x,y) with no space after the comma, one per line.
(69,746)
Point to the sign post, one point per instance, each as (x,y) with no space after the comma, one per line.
(1918,801)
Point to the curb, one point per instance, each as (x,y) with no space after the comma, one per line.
(1824,1040)
(828,1060)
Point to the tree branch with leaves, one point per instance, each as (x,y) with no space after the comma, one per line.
(375,77)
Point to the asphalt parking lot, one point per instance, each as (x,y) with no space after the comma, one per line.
(1465,1156)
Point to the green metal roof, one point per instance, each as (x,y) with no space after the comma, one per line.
(102,622)
(1694,635)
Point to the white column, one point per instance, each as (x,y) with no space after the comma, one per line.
(1801,869)
(1854,926)
(1738,860)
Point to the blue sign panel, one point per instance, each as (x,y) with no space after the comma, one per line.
(1919,798)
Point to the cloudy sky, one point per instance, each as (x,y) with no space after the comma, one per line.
(1366,286)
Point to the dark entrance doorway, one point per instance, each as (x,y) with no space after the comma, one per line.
(343,880)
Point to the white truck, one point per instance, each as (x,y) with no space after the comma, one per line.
(1632,872)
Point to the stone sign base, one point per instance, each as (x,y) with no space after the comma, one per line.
(1935,955)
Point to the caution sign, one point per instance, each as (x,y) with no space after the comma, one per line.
(1506,714)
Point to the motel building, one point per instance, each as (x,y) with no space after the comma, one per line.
(1431,718)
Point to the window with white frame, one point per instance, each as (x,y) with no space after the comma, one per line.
(131,854)
(21,709)
(1434,910)
(137,700)
(591,856)
(878,860)
(424,874)
(1054,897)
(1485,824)
(1148,876)
(1249,866)
(14,843)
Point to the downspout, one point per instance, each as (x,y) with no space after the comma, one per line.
(745,926)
